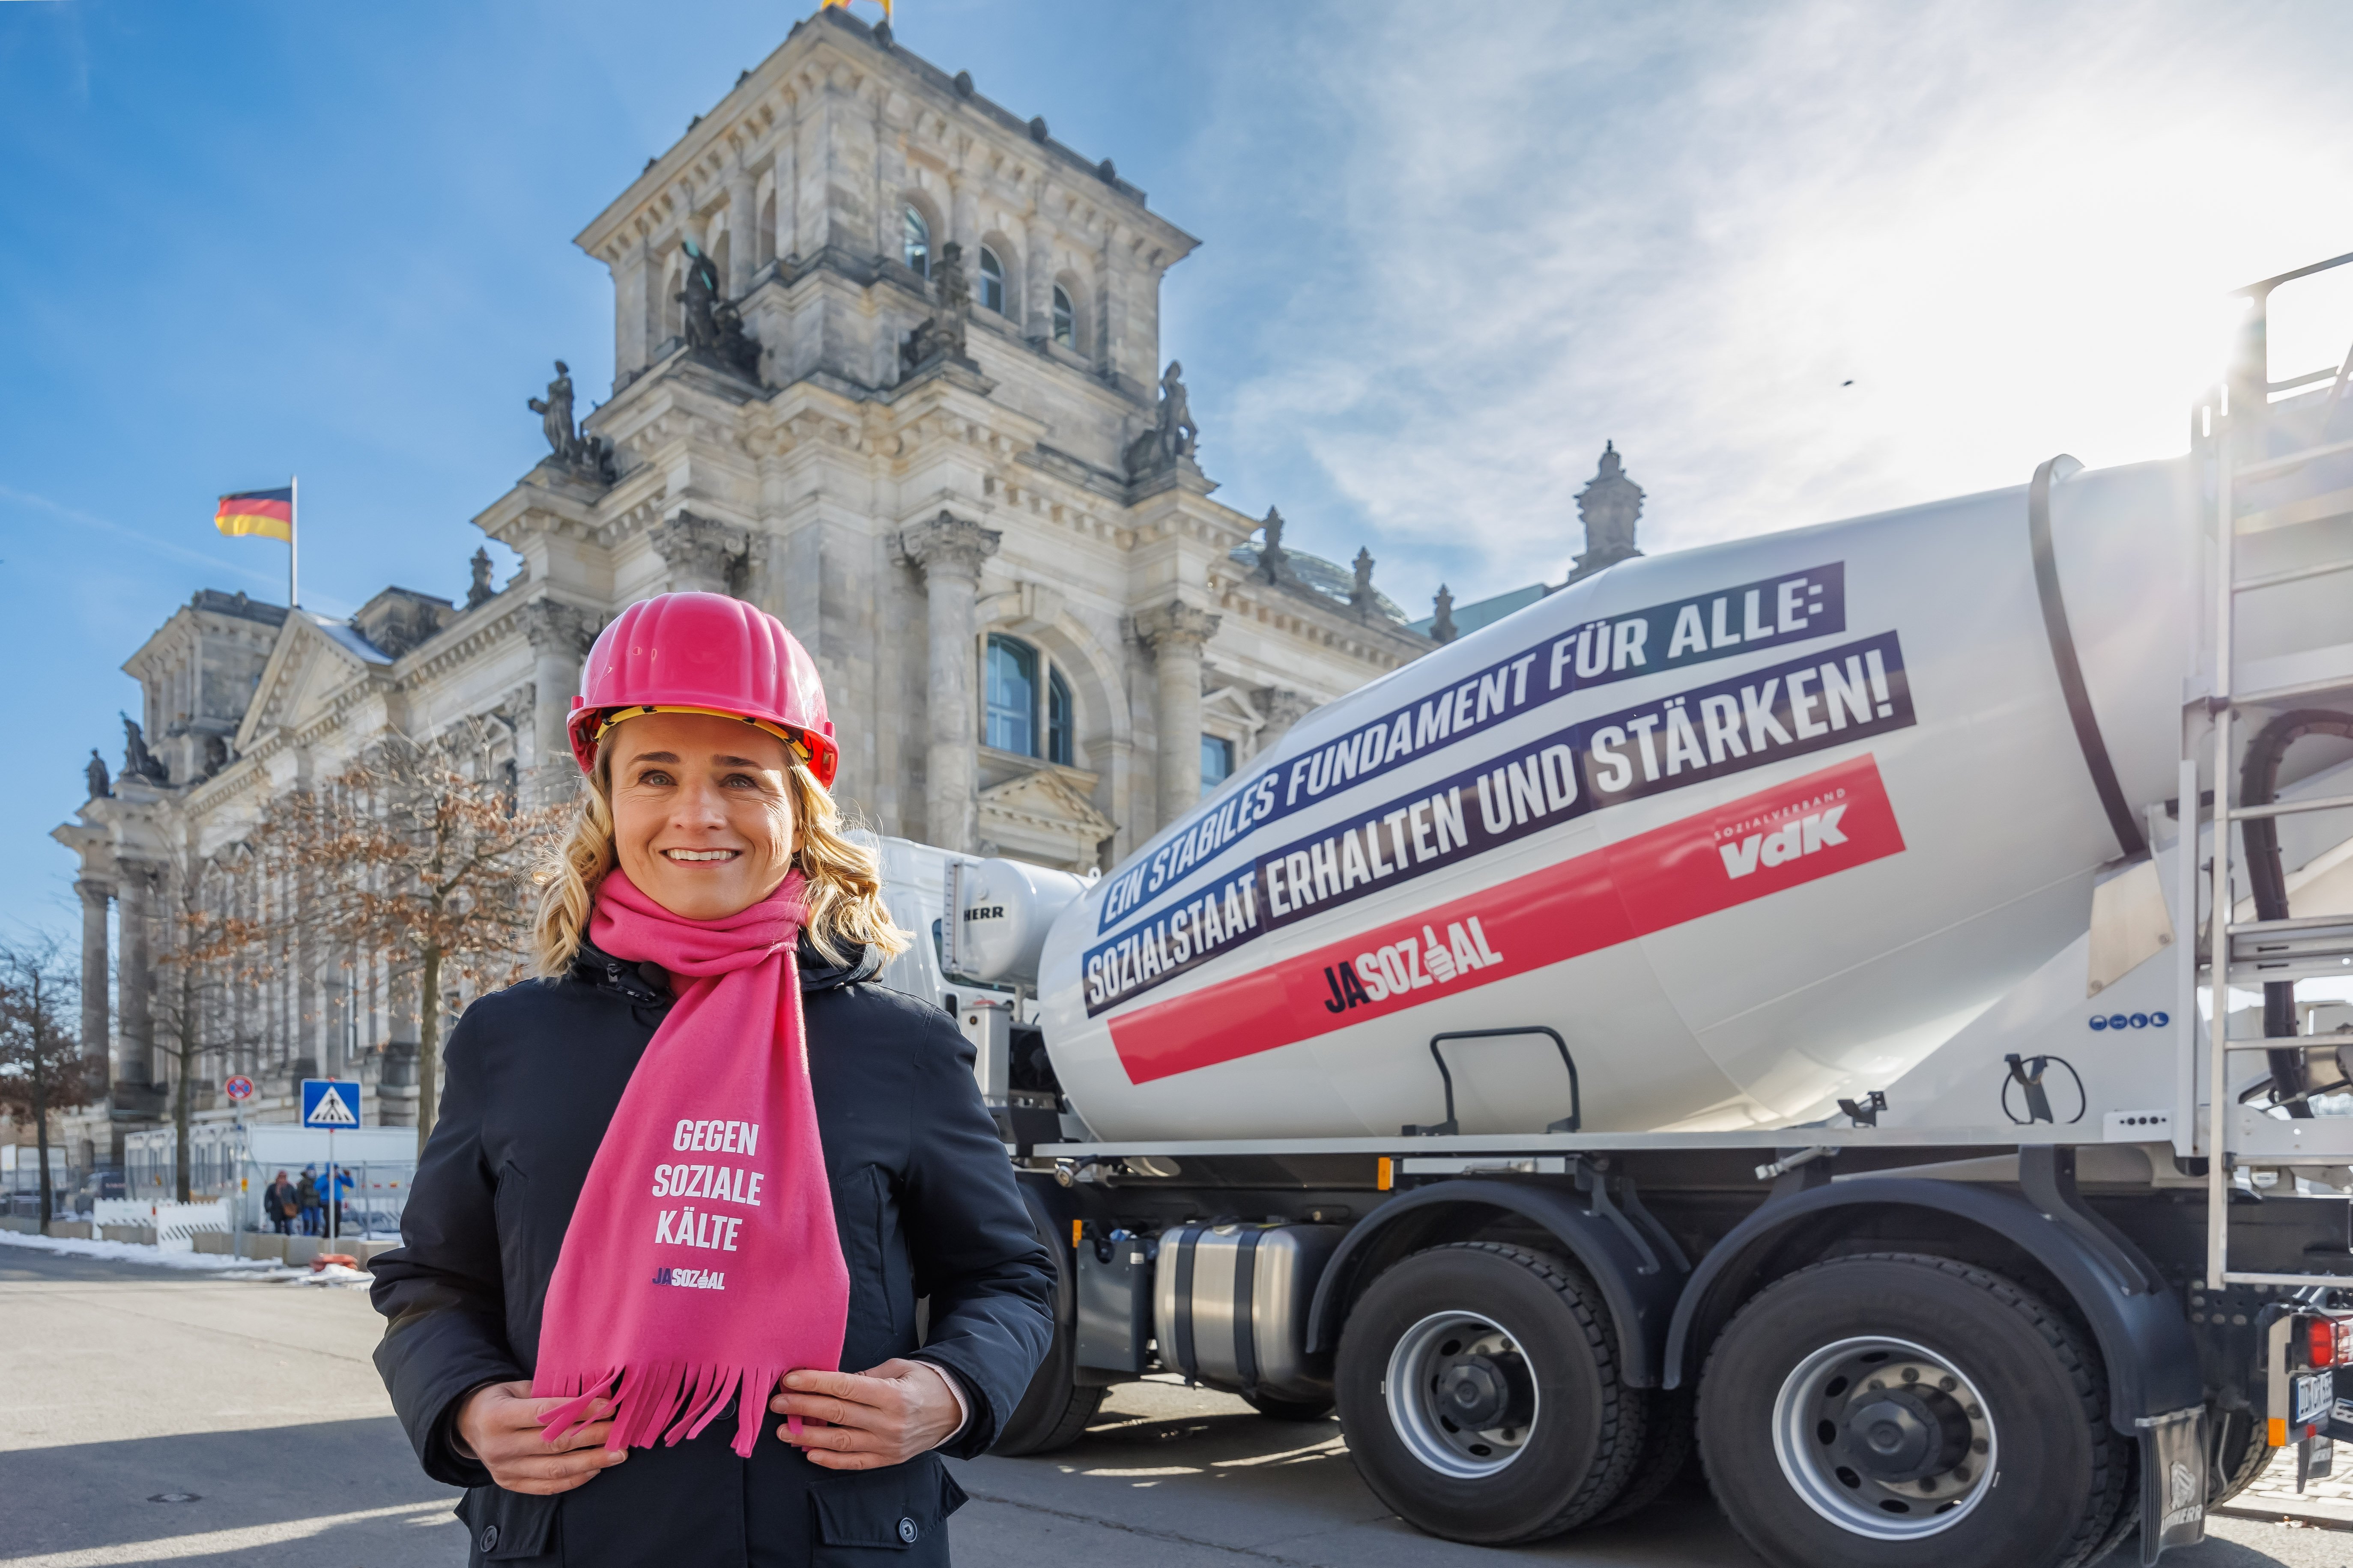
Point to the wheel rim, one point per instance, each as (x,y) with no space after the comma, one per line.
(1884,1437)
(1461,1394)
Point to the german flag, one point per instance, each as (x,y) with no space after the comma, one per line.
(269,513)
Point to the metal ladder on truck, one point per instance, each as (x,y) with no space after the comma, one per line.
(2283,488)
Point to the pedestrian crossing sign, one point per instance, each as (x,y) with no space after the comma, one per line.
(331,1102)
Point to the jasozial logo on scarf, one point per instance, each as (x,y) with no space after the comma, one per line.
(692,1278)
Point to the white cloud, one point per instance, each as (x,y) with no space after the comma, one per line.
(2010,228)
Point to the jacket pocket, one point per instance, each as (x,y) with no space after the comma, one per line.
(902,1510)
(862,1214)
(503,1526)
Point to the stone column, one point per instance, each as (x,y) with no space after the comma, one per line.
(1175,632)
(559,636)
(950,551)
(631,318)
(964,222)
(96,1035)
(741,247)
(135,1055)
(1038,283)
(788,199)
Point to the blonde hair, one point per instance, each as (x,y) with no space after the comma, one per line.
(846,916)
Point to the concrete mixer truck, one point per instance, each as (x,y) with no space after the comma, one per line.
(1822,1007)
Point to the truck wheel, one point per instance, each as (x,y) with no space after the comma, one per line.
(1895,1410)
(1479,1388)
(1049,1416)
(1276,1408)
(1670,1446)
(2240,1454)
(1055,1408)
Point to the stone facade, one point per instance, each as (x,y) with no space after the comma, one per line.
(887,365)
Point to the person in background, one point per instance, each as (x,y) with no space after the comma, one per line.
(306,1198)
(338,1186)
(279,1205)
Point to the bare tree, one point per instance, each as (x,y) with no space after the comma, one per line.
(211,950)
(41,1066)
(422,849)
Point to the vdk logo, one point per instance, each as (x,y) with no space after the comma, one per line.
(1807,834)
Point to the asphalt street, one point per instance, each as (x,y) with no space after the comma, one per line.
(158,1417)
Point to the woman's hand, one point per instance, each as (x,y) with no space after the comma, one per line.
(862,1421)
(505,1428)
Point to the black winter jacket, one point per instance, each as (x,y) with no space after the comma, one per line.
(922,1191)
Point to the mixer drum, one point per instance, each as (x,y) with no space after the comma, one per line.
(1751,826)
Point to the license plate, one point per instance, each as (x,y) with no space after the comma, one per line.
(2316,1393)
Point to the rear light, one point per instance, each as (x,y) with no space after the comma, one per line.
(2327,1342)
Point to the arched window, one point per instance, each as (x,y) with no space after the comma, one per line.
(1010,722)
(915,243)
(992,280)
(1066,319)
(1216,760)
(1059,718)
(1015,680)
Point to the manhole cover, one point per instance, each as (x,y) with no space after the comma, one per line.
(175,1497)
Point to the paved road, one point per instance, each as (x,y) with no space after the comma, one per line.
(123,1384)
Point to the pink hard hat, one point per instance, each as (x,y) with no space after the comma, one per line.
(704,653)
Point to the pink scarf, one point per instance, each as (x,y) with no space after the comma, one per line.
(702,1263)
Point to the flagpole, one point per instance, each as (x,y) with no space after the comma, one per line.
(293,543)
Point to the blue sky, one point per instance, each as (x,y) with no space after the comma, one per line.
(1449,250)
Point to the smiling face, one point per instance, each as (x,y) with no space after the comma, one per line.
(702,820)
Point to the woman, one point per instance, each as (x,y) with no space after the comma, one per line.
(279,1205)
(656,1299)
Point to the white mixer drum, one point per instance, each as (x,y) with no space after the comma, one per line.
(1751,826)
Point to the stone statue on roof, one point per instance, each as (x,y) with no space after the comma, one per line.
(555,414)
(590,457)
(701,297)
(480,591)
(1174,436)
(1441,625)
(138,761)
(941,335)
(1360,596)
(1179,435)
(93,772)
(1269,551)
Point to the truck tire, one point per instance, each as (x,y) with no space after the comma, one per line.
(1051,1415)
(1055,1408)
(2240,1454)
(1669,1448)
(1473,1332)
(1862,1413)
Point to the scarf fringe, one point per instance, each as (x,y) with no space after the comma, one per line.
(666,1401)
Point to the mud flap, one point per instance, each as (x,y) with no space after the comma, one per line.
(2172,1481)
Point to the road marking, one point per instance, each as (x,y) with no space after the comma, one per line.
(210,1543)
